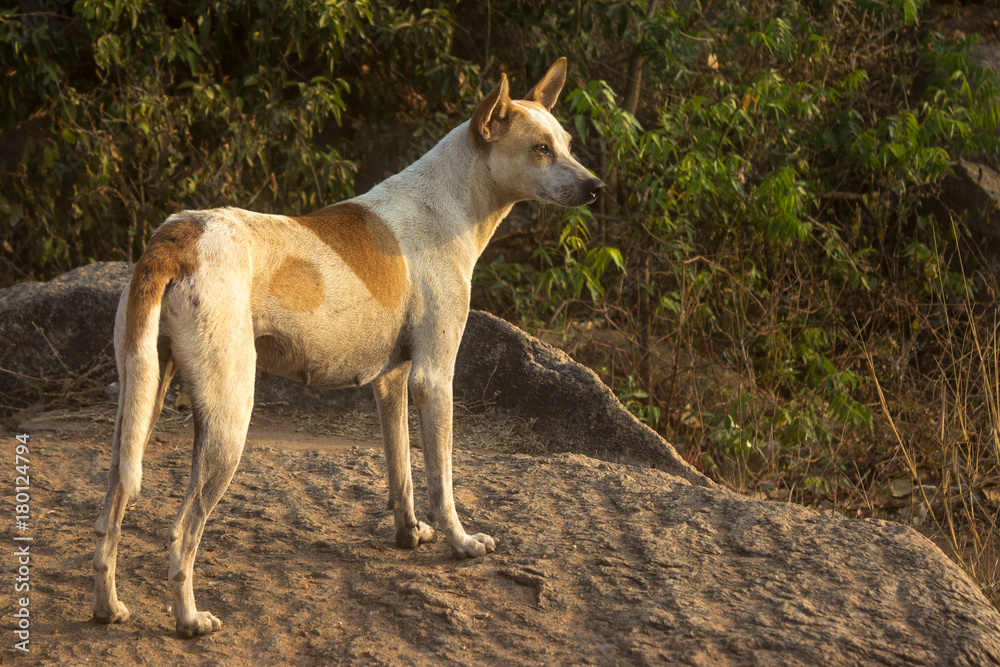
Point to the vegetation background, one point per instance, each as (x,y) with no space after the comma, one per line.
(772,279)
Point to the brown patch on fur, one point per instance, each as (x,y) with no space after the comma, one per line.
(367,246)
(170,255)
(297,285)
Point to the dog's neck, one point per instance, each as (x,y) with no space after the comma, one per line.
(454,182)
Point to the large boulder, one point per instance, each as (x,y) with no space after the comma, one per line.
(596,563)
(565,402)
(54,331)
(63,329)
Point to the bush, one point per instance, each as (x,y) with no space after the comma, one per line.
(117,114)
(778,179)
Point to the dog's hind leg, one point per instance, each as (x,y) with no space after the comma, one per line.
(106,607)
(390,396)
(219,370)
(107,530)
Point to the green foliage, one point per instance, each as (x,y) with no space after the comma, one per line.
(735,433)
(777,174)
(124,112)
(770,180)
(579,265)
(636,400)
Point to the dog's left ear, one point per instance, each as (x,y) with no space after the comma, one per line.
(546,92)
(490,118)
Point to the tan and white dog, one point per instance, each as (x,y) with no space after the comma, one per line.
(370,290)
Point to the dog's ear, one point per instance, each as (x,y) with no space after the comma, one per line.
(490,118)
(546,91)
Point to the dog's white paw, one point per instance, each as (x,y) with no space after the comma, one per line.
(410,538)
(203,623)
(115,613)
(474,546)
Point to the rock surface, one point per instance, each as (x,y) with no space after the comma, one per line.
(565,402)
(55,328)
(974,191)
(498,366)
(597,562)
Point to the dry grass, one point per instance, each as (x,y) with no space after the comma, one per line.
(952,455)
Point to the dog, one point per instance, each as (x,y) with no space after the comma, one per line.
(373,290)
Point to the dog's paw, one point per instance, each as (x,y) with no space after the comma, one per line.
(116,613)
(474,546)
(411,538)
(203,623)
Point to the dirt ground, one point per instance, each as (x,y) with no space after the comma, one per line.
(288,556)
(596,563)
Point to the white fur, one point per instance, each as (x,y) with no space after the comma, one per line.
(333,324)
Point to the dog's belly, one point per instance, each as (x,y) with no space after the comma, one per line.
(331,362)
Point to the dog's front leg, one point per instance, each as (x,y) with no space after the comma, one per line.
(432,395)
(390,396)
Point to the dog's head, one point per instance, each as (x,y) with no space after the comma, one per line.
(526,149)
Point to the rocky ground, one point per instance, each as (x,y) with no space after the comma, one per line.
(597,562)
(611,549)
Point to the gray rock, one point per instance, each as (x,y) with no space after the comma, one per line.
(596,563)
(974,191)
(51,330)
(681,574)
(499,366)
(565,402)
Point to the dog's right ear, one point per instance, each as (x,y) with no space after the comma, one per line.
(490,118)
(546,92)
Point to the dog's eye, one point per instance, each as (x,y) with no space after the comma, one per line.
(543,149)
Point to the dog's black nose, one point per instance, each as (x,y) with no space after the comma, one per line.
(593,186)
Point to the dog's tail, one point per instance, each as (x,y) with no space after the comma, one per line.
(170,255)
